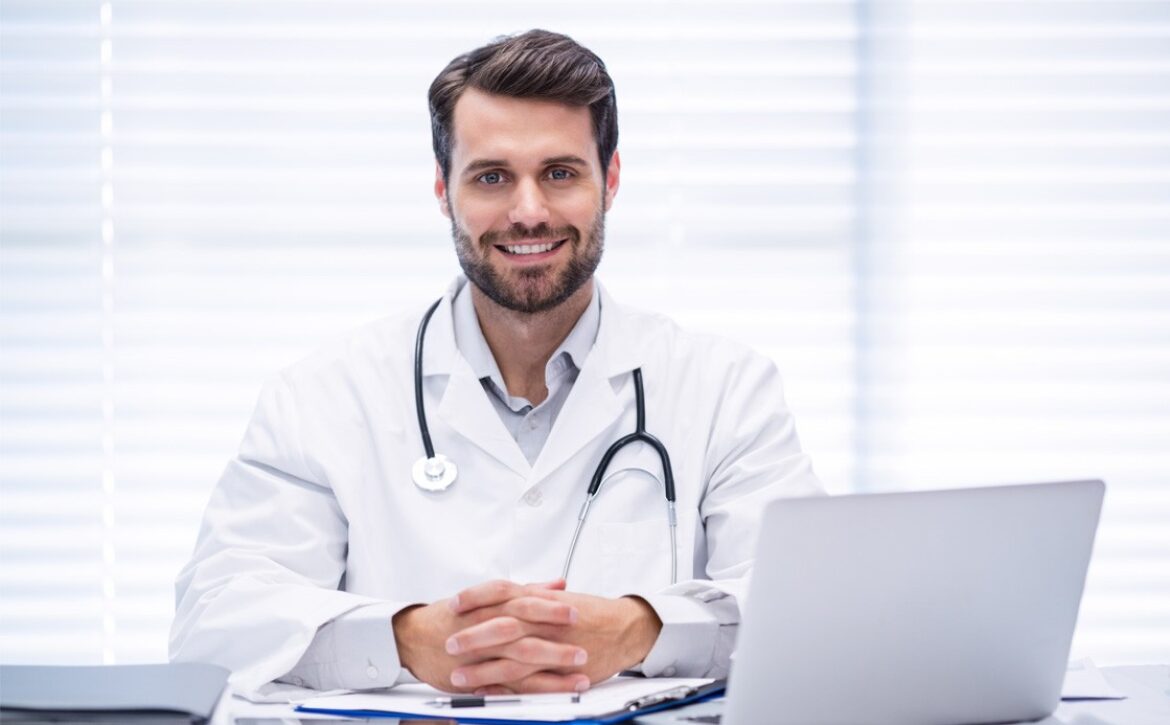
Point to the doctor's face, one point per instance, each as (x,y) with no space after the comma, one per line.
(526,197)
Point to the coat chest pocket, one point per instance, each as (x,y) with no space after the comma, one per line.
(635,556)
(633,535)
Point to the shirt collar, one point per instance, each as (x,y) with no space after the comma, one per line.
(570,354)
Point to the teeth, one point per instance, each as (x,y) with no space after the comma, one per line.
(529,248)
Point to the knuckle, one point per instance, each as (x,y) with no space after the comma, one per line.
(527,649)
(510,627)
(512,670)
(526,608)
(500,587)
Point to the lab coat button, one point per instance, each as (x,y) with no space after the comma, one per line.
(669,671)
(372,672)
(534,497)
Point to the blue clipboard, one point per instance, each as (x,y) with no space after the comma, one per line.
(675,697)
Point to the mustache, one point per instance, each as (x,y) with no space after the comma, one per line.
(521,233)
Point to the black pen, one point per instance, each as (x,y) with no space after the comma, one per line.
(675,693)
(566,698)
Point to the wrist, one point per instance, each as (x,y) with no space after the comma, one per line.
(642,628)
(405,634)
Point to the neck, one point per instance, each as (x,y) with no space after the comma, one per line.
(522,343)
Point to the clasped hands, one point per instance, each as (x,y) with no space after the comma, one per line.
(501,637)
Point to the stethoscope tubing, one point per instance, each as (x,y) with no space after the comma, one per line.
(639,434)
(419,407)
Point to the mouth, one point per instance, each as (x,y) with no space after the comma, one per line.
(531,251)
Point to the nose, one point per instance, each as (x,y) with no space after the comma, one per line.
(528,205)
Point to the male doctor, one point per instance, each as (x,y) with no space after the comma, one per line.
(321,563)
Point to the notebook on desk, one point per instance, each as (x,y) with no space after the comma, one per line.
(185,692)
(913,608)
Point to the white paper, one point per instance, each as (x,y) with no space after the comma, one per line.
(1083,681)
(603,698)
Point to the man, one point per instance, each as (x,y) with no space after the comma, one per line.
(319,562)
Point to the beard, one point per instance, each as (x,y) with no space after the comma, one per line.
(536,288)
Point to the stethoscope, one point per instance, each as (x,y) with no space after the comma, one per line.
(435,472)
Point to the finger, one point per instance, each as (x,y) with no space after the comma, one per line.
(536,651)
(495,690)
(552,682)
(494,632)
(491,672)
(539,609)
(486,594)
(555,584)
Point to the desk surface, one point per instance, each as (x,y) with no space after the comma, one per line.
(1147,687)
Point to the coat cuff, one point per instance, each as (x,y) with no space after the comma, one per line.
(355,651)
(686,643)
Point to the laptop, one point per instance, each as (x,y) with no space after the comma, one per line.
(929,607)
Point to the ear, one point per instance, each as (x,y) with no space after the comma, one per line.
(613,176)
(441,191)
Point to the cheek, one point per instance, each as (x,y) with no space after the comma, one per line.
(476,217)
(581,210)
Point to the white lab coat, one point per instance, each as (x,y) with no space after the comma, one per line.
(318,515)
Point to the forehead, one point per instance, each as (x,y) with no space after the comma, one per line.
(517,129)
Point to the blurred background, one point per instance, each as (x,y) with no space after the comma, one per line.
(948,223)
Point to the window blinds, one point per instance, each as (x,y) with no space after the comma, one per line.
(1025,331)
(945,221)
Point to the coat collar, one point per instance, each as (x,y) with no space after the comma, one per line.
(591,408)
(618,349)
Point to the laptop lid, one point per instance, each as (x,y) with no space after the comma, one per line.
(953,606)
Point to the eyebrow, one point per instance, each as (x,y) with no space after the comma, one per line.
(480,164)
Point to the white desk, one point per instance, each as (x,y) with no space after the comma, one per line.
(1148,688)
(1148,701)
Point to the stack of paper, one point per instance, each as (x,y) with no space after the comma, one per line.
(609,702)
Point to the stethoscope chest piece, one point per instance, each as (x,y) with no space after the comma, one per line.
(433,474)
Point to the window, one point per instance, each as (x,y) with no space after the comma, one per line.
(947,222)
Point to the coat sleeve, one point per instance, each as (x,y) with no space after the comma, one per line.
(265,574)
(754,457)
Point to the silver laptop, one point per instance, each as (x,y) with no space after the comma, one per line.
(929,607)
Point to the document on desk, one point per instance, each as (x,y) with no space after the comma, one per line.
(1083,681)
(612,701)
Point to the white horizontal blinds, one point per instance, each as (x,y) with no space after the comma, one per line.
(196,194)
(1027,332)
(736,210)
(271,188)
(53,577)
(254,178)
(272,182)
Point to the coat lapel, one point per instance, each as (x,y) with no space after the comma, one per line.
(593,406)
(464,406)
(467,410)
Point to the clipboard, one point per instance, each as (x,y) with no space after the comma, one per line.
(669,697)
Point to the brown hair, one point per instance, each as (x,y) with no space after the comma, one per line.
(536,64)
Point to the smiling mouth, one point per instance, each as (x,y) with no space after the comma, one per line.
(524,249)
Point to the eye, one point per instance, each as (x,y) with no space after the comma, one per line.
(560,174)
(491,178)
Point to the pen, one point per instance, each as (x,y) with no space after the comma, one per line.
(678,693)
(485,700)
